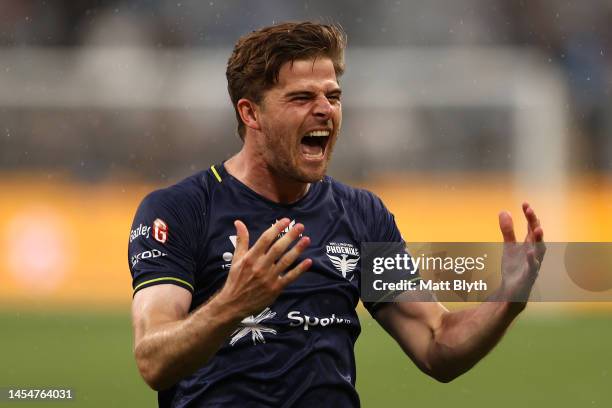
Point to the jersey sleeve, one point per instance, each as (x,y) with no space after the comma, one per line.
(381,228)
(382,222)
(161,244)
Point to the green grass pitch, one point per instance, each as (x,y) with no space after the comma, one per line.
(542,362)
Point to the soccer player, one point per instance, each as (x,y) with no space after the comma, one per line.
(246,275)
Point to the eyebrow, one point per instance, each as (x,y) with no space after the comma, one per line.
(336,91)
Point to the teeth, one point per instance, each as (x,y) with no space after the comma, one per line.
(318,133)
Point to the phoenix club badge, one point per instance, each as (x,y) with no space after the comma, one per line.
(344,258)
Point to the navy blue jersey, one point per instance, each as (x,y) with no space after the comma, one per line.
(299,351)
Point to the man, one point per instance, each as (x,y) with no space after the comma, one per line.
(237,302)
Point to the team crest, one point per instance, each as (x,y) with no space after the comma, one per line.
(344,258)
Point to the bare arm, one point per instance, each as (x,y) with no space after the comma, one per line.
(170,343)
(446,344)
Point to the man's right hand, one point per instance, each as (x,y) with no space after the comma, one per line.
(259,274)
(171,343)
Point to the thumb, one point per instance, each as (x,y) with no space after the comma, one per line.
(507,227)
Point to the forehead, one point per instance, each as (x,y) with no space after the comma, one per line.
(311,74)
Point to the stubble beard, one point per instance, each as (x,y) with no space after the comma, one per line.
(281,160)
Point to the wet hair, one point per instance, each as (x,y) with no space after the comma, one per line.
(257,58)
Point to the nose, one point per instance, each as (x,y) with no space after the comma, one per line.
(322,107)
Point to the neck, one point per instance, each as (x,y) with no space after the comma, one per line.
(255,173)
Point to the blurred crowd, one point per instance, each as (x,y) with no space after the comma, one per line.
(573,35)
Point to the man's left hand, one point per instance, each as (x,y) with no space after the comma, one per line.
(521,261)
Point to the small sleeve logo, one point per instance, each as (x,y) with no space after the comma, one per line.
(160,231)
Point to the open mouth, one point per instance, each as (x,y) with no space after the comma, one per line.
(313,144)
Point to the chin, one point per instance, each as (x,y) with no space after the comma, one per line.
(301,171)
(311,175)
(312,178)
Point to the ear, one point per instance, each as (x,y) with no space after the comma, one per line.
(249,113)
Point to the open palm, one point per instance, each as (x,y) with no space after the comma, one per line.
(521,261)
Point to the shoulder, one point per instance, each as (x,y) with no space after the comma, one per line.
(181,206)
(360,199)
(188,195)
(367,209)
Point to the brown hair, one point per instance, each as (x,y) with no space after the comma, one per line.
(257,57)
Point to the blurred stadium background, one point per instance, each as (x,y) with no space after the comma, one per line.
(452,111)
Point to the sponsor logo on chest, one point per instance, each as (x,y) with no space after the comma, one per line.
(257,327)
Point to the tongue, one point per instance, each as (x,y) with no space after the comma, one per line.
(312,150)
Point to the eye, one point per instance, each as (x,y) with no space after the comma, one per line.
(301,98)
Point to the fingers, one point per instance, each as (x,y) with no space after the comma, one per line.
(295,273)
(268,237)
(266,261)
(280,246)
(535,233)
(289,258)
(538,241)
(507,227)
(242,239)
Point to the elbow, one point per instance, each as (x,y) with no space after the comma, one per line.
(155,382)
(444,377)
(443,374)
(151,373)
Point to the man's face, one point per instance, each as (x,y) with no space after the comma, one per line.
(300,119)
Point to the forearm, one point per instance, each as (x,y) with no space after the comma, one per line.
(465,337)
(171,351)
